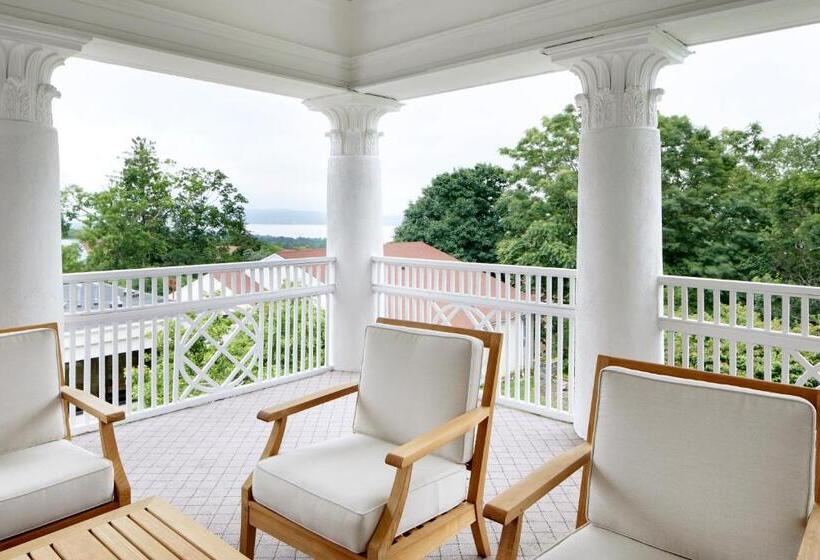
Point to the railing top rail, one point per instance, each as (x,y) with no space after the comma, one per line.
(458,265)
(104,316)
(741,286)
(75,277)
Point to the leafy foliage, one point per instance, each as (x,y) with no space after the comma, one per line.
(155,215)
(539,213)
(458,214)
(736,205)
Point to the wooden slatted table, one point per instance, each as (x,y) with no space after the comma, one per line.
(147,530)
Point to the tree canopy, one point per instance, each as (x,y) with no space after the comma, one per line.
(153,214)
(736,204)
(458,214)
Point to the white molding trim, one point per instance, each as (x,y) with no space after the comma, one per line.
(262,53)
(136,33)
(522,30)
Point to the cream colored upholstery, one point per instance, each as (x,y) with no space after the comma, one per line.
(414,380)
(338,488)
(43,477)
(48,482)
(701,470)
(594,543)
(30,396)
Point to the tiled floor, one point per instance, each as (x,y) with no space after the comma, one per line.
(198,459)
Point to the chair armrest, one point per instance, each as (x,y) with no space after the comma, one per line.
(303,403)
(810,548)
(410,452)
(515,500)
(95,406)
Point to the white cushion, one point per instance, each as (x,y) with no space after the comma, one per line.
(48,482)
(30,396)
(338,488)
(594,543)
(414,380)
(702,470)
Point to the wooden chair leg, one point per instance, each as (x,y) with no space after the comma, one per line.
(510,539)
(247,532)
(482,542)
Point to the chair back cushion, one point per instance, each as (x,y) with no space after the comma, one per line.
(29,390)
(414,380)
(702,470)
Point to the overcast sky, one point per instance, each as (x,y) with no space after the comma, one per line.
(274,150)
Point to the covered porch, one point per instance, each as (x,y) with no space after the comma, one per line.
(197,458)
(193,352)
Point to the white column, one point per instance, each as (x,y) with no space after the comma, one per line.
(354,215)
(30,283)
(619,200)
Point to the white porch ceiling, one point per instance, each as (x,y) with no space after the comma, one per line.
(397,48)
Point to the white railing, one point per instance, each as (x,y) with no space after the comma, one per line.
(768,331)
(533,307)
(156,339)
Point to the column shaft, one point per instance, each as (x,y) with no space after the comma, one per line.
(620,251)
(354,237)
(30,261)
(354,213)
(30,289)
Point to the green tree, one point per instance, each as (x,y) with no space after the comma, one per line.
(539,213)
(735,205)
(72,203)
(711,194)
(792,241)
(155,215)
(458,214)
(72,258)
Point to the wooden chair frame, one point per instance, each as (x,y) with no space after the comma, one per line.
(106,414)
(508,507)
(421,540)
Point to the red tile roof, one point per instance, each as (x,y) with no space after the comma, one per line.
(488,286)
(400,249)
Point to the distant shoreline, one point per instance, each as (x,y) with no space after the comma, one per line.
(285,217)
(305,231)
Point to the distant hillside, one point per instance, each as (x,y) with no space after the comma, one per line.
(283,216)
(300,217)
(292,242)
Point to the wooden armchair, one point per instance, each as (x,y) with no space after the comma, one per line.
(683,464)
(47,482)
(398,486)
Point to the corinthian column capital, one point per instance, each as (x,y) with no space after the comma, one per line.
(617,74)
(29,53)
(354,120)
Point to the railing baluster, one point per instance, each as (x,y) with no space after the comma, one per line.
(733,324)
(701,338)
(685,317)
(785,308)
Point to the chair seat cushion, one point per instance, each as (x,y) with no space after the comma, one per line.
(594,543)
(339,488)
(49,482)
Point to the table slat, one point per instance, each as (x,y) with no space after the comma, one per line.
(169,538)
(82,546)
(193,532)
(116,543)
(147,544)
(44,553)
